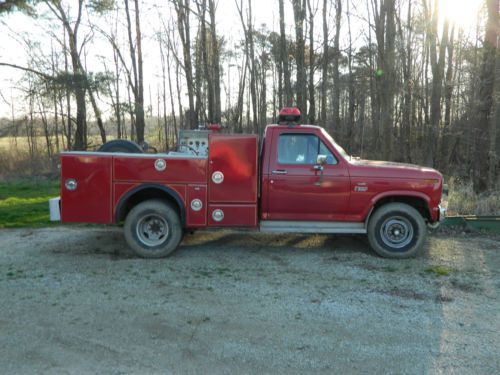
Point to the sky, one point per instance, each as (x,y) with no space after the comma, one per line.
(12,50)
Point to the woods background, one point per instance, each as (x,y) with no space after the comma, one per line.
(389,79)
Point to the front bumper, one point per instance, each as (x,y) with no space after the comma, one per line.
(439,217)
(55,209)
(442,214)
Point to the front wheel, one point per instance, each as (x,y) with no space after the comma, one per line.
(397,230)
(153,229)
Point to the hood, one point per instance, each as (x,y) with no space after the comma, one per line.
(385,169)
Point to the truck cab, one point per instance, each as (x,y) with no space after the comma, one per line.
(296,179)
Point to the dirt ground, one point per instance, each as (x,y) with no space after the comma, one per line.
(74,300)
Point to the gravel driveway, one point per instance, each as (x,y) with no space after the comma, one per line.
(74,300)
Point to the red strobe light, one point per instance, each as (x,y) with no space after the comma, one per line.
(289,115)
(214,127)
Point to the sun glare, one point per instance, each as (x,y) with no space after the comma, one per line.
(461,12)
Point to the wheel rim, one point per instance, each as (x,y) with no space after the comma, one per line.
(152,230)
(396,232)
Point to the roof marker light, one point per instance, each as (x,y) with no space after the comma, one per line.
(289,115)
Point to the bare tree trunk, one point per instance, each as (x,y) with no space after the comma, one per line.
(448,93)
(54,99)
(164,92)
(215,62)
(350,123)
(494,127)
(80,142)
(263,96)
(137,85)
(69,133)
(171,94)
(299,13)
(406,62)
(385,31)
(182,9)
(335,67)
(250,60)
(324,72)
(238,113)
(485,99)
(284,56)
(203,52)
(253,71)
(179,101)
(139,105)
(312,101)
(437,64)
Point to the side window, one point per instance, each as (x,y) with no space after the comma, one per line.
(302,149)
(323,150)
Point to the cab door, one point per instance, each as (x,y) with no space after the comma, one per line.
(297,188)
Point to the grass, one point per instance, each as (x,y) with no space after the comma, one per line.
(25,203)
(463,201)
(438,271)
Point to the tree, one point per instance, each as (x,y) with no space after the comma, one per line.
(437,65)
(26,6)
(385,32)
(485,98)
(137,82)
(284,57)
(183,11)
(215,61)
(299,15)
(312,68)
(250,59)
(336,74)
(325,63)
(82,84)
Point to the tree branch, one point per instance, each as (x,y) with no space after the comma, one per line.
(38,73)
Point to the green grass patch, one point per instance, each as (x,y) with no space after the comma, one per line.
(26,203)
(439,271)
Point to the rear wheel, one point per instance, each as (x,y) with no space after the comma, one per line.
(397,230)
(153,229)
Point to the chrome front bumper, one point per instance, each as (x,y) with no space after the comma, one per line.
(55,209)
(442,214)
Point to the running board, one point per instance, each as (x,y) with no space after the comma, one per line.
(271,226)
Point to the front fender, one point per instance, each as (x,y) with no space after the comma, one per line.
(399,196)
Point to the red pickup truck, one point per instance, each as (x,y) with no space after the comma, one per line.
(297,180)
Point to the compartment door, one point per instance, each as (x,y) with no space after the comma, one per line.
(233,168)
(90,200)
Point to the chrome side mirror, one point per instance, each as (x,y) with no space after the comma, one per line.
(321,159)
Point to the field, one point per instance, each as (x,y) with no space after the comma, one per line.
(25,203)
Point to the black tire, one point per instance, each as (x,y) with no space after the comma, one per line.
(397,230)
(121,145)
(153,229)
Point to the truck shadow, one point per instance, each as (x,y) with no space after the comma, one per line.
(234,242)
(110,243)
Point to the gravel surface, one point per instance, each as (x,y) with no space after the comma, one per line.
(74,300)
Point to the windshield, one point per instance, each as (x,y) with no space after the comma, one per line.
(341,151)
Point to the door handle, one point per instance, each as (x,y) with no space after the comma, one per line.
(279,171)
(320,169)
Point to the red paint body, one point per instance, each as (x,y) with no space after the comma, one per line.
(251,190)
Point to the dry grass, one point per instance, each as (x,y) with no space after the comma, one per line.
(463,201)
(16,161)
